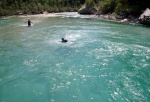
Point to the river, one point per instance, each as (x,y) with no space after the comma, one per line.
(101,62)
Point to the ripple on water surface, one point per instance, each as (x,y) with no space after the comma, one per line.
(101,62)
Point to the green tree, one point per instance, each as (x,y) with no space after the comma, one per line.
(107,6)
(90,3)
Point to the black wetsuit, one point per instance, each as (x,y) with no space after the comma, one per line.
(29,23)
(64,41)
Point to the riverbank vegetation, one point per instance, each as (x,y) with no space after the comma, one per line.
(126,7)
(11,7)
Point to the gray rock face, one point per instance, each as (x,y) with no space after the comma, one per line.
(145,17)
(87,10)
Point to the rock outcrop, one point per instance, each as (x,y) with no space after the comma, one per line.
(145,17)
(88,10)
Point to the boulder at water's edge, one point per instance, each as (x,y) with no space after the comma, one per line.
(88,10)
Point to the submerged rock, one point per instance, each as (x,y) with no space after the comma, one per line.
(125,20)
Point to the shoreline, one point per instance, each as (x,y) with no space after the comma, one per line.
(107,17)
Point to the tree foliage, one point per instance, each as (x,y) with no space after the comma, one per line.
(107,6)
(90,2)
(124,6)
(10,7)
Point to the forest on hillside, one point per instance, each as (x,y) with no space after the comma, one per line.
(14,7)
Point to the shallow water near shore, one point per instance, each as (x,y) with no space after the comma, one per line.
(101,62)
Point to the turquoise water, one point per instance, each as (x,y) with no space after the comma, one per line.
(102,62)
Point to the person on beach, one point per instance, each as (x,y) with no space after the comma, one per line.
(29,23)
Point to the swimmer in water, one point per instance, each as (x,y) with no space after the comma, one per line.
(29,23)
(64,40)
